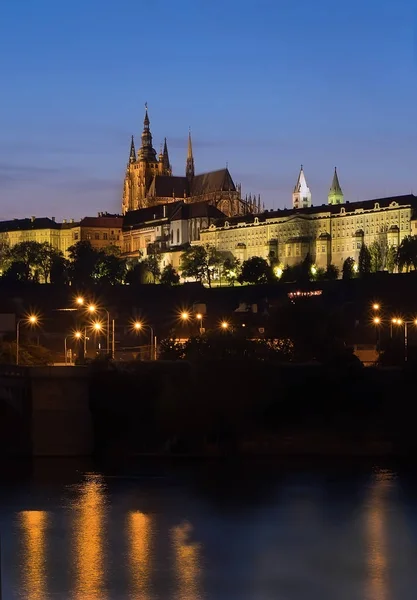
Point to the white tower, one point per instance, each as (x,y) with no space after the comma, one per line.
(301,197)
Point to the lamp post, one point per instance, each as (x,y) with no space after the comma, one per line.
(400,322)
(93,309)
(377,323)
(97,327)
(224,325)
(30,320)
(138,326)
(200,318)
(77,336)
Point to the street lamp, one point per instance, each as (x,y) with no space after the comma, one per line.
(92,309)
(200,317)
(397,321)
(376,306)
(30,320)
(224,325)
(77,335)
(185,315)
(138,326)
(79,300)
(97,326)
(377,321)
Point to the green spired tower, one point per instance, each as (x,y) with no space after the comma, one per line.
(335,195)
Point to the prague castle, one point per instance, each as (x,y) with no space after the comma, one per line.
(330,232)
(149,181)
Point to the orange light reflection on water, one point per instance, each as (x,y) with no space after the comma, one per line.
(140,554)
(33,524)
(187,562)
(377,551)
(89,541)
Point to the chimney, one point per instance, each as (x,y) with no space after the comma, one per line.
(64,220)
(53,219)
(32,218)
(72,221)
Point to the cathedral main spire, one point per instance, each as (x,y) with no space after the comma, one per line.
(335,194)
(301,197)
(147,153)
(189,169)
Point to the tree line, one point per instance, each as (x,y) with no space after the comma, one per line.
(41,262)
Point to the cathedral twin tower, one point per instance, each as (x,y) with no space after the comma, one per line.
(149,181)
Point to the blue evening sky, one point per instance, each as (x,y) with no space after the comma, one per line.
(265,85)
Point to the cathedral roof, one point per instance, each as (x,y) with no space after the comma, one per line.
(169,186)
(214,181)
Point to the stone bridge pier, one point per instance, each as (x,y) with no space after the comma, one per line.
(45,411)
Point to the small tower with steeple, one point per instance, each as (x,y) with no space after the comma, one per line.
(335,194)
(301,197)
(189,168)
(132,155)
(165,160)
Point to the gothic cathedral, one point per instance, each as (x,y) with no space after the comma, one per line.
(149,181)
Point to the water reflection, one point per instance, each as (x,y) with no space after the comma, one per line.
(140,554)
(187,562)
(377,543)
(89,551)
(33,524)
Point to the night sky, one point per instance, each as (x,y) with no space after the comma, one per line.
(264,86)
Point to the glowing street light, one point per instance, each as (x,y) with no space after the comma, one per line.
(376,306)
(185,315)
(30,320)
(138,326)
(377,321)
(397,321)
(224,325)
(92,309)
(77,335)
(79,300)
(97,326)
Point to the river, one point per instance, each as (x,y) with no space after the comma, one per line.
(235,531)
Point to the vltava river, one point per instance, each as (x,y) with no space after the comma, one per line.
(231,532)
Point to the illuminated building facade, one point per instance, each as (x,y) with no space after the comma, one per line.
(100,231)
(330,233)
(149,181)
(166,228)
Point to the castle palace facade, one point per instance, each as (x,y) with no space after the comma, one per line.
(330,233)
(149,181)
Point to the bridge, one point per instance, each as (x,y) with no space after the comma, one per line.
(45,411)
